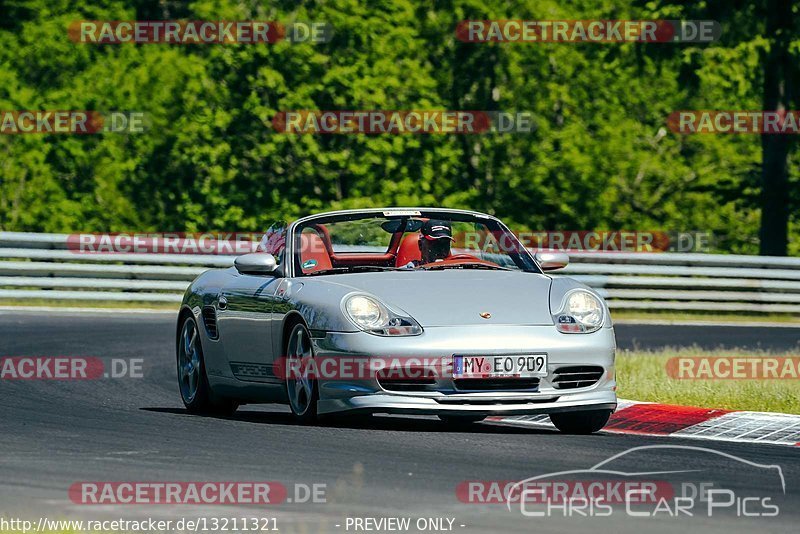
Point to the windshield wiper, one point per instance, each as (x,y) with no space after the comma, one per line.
(465,266)
(352,269)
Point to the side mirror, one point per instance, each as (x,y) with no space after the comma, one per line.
(552,261)
(256,263)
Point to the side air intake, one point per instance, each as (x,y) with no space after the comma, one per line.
(210,320)
(579,376)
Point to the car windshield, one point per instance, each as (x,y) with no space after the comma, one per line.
(406,240)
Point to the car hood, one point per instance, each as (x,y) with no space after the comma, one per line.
(458,296)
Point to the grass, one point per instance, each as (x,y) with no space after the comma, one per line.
(642,376)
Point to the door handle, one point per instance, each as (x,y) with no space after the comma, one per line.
(222,303)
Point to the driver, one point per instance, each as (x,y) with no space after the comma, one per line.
(434,241)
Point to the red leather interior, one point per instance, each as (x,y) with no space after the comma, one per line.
(408,250)
(313,248)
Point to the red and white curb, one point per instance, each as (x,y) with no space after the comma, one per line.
(652,419)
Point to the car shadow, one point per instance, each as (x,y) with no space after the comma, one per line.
(386,423)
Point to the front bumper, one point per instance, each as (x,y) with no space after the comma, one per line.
(368,396)
(525,405)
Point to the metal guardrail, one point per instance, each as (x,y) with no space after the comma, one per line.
(40,266)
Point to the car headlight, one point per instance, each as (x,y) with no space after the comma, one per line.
(374,317)
(581,313)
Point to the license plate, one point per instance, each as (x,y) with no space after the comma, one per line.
(511,366)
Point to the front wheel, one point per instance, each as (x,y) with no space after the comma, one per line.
(195,391)
(586,422)
(300,384)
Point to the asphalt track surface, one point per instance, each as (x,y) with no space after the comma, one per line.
(53,434)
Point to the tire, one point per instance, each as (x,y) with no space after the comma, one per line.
(462,419)
(586,422)
(302,390)
(196,393)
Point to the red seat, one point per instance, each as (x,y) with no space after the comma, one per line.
(408,250)
(313,254)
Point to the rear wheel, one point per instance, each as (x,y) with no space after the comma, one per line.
(300,384)
(195,391)
(462,419)
(580,422)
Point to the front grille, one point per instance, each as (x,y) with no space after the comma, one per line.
(210,320)
(495,384)
(579,376)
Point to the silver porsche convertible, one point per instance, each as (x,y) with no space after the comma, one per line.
(398,310)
